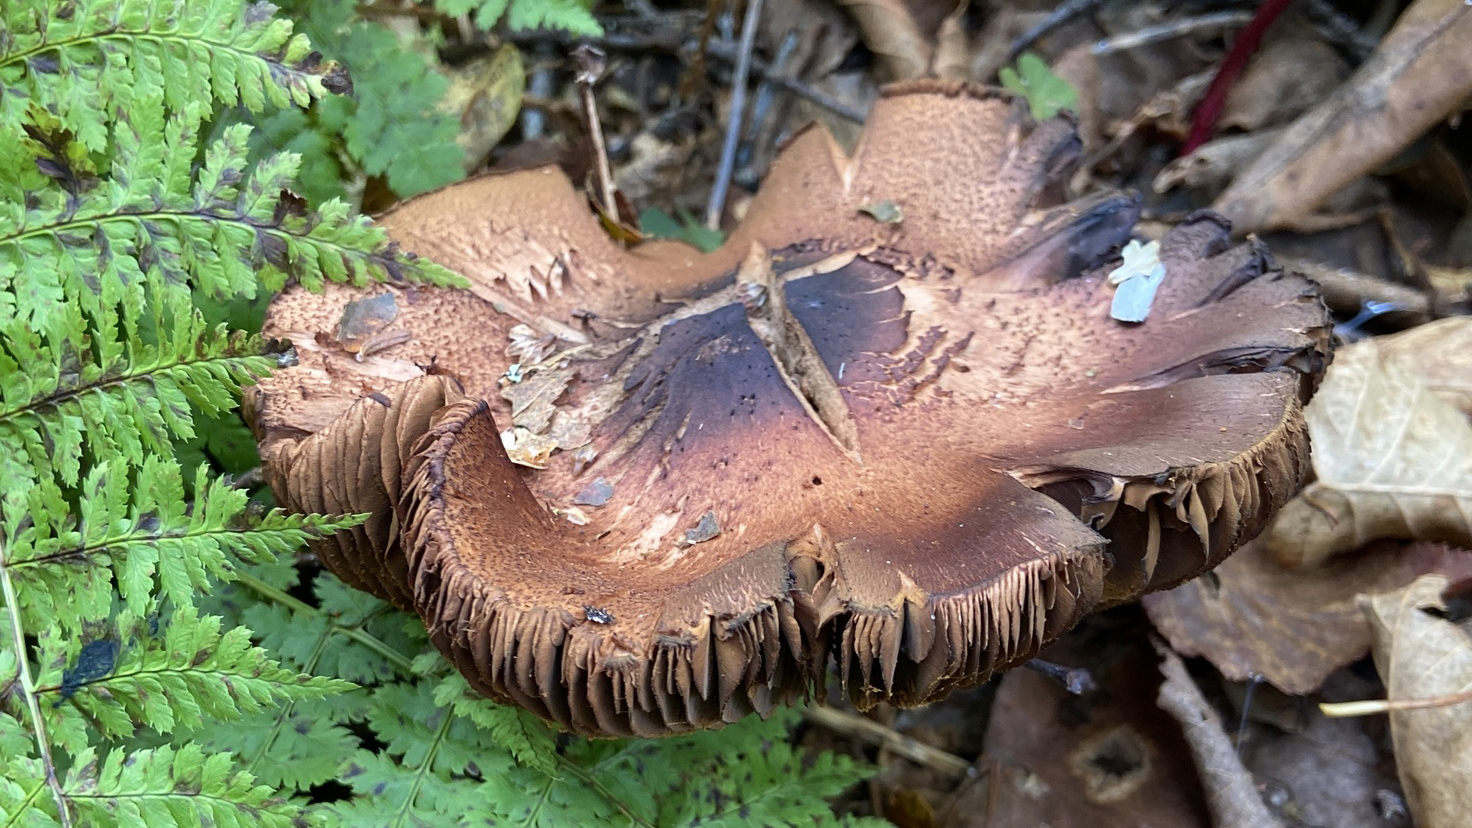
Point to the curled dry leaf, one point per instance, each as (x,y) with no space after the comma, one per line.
(485,94)
(895,37)
(904,448)
(1392,447)
(1420,74)
(1286,77)
(1421,655)
(1292,627)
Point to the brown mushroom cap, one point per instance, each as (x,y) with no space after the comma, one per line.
(918,448)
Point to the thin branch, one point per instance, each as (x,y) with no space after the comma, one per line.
(28,687)
(868,730)
(1061,15)
(1171,29)
(675,42)
(717,203)
(590,62)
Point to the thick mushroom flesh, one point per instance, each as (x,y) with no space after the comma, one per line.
(644,492)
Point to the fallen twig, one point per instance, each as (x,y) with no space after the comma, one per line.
(1061,15)
(590,62)
(1231,795)
(717,203)
(676,42)
(868,730)
(1169,29)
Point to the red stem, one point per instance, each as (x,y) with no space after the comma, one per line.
(1203,124)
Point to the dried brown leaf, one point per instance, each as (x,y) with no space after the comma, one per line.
(1420,654)
(485,94)
(1287,77)
(1292,627)
(893,35)
(1420,74)
(1109,758)
(1392,452)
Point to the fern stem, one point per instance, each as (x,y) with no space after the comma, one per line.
(60,398)
(183,40)
(596,784)
(23,662)
(290,707)
(427,766)
(363,637)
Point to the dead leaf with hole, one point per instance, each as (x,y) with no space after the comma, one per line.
(1293,627)
(1421,655)
(1110,758)
(1420,74)
(1392,452)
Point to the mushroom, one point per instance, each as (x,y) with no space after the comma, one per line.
(648,491)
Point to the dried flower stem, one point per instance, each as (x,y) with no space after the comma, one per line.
(1372,706)
(591,62)
(868,730)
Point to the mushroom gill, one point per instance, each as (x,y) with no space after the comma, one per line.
(641,492)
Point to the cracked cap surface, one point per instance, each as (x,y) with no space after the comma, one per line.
(649,491)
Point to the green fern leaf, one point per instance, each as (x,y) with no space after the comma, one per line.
(171,787)
(25,800)
(770,787)
(186,674)
(571,16)
(93,59)
(232,226)
(130,393)
(151,543)
(391,795)
(526,737)
(316,639)
(294,746)
(390,125)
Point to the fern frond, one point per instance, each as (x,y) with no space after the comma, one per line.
(391,125)
(294,746)
(419,777)
(512,729)
(119,393)
(392,795)
(95,58)
(185,674)
(350,634)
(139,535)
(234,224)
(25,799)
(301,744)
(571,16)
(170,787)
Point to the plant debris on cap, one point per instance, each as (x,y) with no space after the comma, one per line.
(646,491)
